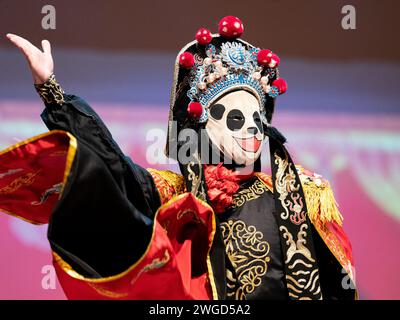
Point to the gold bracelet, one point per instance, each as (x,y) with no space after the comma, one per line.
(51,91)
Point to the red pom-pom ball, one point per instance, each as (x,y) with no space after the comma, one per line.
(264,57)
(230,27)
(195,110)
(186,60)
(203,36)
(274,61)
(281,85)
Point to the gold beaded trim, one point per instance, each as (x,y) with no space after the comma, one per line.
(51,91)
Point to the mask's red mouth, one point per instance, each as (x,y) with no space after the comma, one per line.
(251,144)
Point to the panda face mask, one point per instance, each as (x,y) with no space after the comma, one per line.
(235,127)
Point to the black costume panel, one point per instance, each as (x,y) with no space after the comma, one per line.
(254,254)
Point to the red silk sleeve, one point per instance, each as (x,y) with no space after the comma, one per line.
(33,173)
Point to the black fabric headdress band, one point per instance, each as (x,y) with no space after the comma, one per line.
(301,267)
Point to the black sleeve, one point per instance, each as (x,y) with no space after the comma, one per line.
(104,219)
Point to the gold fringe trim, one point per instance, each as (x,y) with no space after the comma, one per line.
(321,203)
(175,180)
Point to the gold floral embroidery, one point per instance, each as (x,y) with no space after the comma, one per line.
(24,180)
(248,253)
(247,194)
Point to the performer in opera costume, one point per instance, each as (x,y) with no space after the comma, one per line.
(219,230)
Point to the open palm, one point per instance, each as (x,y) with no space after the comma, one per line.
(40,62)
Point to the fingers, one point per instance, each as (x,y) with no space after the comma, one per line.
(46,46)
(18,41)
(24,45)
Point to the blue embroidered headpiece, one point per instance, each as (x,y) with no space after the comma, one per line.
(232,68)
(233,65)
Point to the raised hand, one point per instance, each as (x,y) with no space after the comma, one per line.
(40,62)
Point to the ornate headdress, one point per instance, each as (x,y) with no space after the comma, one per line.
(215,64)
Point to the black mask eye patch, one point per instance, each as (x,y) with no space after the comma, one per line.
(257,121)
(235,120)
(217,111)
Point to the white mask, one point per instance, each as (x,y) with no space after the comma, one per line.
(235,128)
